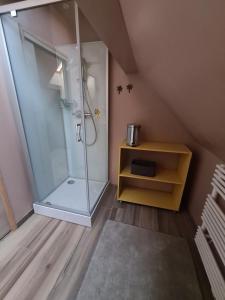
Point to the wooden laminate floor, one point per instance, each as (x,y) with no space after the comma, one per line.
(46,258)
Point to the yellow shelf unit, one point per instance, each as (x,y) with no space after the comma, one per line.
(140,189)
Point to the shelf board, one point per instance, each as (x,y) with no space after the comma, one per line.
(162,175)
(160,147)
(148,197)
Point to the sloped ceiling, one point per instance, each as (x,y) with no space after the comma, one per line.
(179,47)
(107,20)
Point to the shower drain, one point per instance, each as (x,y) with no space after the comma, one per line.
(71,181)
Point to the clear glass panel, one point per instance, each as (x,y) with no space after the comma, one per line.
(94,61)
(45,62)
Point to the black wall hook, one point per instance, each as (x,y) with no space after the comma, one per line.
(129,87)
(119,89)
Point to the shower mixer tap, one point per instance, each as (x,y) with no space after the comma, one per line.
(78,132)
(87,115)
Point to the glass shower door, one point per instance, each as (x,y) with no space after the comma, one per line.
(94,63)
(44,56)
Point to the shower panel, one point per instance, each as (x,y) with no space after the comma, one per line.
(60,71)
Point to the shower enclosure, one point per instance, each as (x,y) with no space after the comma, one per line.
(59,70)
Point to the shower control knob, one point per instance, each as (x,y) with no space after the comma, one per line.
(97,112)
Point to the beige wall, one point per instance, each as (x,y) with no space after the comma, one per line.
(144,106)
(179,49)
(198,184)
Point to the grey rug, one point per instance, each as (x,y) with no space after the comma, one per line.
(138,264)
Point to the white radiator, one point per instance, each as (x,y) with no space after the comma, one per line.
(210,236)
